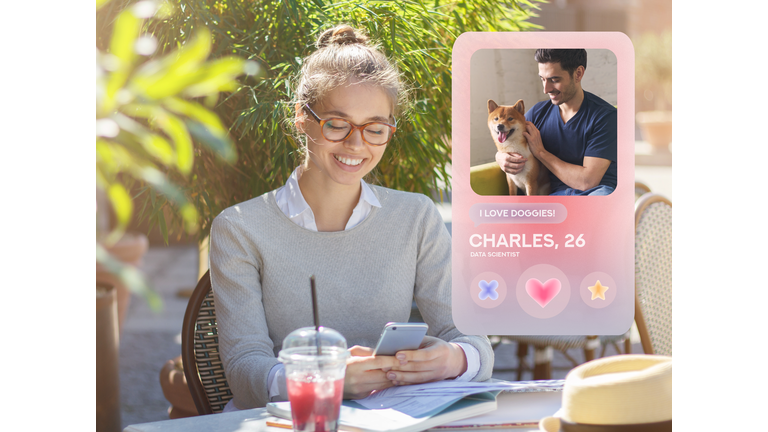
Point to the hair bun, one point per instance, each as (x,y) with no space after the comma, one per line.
(341,35)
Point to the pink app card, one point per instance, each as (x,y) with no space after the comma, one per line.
(544,246)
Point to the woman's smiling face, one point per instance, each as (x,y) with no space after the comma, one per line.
(348,161)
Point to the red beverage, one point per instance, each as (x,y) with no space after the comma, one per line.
(315,363)
(315,403)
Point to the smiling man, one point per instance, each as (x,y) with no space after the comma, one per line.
(574,133)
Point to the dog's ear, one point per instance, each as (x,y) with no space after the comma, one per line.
(520,106)
(492,106)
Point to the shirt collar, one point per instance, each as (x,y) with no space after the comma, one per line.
(367,195)
(297,204)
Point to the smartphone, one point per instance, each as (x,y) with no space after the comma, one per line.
(400,336)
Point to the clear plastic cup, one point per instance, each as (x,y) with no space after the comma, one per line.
(315,382)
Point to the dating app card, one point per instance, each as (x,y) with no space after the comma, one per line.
(543,247)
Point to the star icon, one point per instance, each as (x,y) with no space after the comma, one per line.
(598,290)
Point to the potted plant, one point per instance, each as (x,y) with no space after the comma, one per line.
(128,249)
(653,83)
(419,35)
(152,116)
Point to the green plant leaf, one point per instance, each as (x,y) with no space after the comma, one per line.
(158,147)
(154,144)
(220,144)
(217,76)
(197,113)
(121,50)
(175,128)
(189,215)
(121,204)
(100,3)
(125,32)
(175,72)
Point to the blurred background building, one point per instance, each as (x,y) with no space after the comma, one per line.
(649,24)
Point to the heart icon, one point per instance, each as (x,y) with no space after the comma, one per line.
(542,293)
(488,290)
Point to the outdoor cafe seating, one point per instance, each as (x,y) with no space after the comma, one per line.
(210,391)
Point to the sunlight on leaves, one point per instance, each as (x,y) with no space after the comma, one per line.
(145,45)
(143,141)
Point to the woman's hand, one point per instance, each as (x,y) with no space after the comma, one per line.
(366,373)
(435,360)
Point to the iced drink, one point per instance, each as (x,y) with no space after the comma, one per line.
(315,402)
(315,381)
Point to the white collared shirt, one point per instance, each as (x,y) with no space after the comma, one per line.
(292,203)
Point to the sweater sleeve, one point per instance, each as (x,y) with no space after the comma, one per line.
(433,287)
(247,352)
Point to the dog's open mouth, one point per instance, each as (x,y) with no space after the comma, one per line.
(502,135)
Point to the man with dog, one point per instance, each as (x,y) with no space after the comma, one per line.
(574,133)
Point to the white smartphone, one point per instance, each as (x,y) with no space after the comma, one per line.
(400,336)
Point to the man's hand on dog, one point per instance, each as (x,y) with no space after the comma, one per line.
(534,139)
(510,163)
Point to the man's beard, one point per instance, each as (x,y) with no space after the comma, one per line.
(567,94)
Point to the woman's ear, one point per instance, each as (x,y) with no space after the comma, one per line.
(301,116)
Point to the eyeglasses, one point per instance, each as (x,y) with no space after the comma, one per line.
(338,129)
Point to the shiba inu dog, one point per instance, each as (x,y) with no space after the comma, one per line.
(507,124)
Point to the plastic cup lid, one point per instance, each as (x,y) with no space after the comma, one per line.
(303,343)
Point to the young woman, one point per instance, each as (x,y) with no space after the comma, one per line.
(372,250)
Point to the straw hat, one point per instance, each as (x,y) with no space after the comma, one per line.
(616,391)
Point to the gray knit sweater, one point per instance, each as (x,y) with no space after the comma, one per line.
(367,276)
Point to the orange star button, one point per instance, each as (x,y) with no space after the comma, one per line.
(598,290)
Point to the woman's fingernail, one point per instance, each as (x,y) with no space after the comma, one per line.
(391,376)
(401,356)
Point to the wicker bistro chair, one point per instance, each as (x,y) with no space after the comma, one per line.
(200,351)
(653,273)
(641,189)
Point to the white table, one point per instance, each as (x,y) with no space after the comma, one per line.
(534,405)
(240,421)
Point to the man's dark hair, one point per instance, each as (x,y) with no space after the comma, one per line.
(569,59)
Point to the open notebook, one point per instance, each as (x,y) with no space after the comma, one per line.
(424,406)
(355,417)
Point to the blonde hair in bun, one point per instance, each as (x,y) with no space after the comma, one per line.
(345,54)
(341,35)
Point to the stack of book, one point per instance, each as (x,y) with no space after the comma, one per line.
(444,405)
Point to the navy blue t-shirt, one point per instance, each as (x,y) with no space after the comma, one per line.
(592,131)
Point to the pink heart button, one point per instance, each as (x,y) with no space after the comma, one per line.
(542,293)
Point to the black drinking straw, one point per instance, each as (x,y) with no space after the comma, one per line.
(315,314)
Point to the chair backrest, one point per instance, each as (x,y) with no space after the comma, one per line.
(200,351)
(653,273)
(641,189)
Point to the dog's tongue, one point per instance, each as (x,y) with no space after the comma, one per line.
(502,136)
